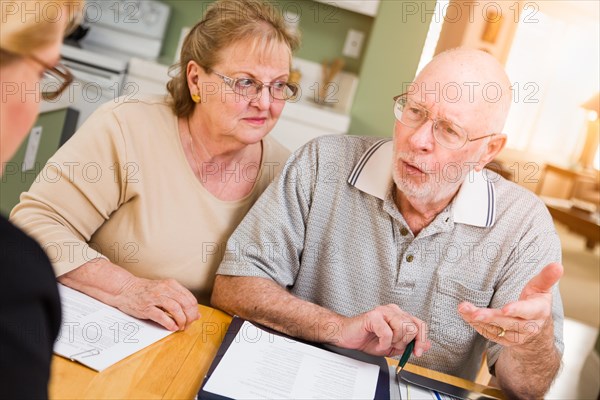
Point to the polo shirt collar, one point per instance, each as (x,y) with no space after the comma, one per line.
(475,203)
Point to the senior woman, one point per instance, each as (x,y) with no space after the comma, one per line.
(29,303)
(144,196)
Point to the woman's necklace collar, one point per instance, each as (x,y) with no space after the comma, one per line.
(192,147)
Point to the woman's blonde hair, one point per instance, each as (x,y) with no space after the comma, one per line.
(27,26)
(225,23)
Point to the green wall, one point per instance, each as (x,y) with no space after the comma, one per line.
(391,61)
(183,13)
(14,181)
(323,28)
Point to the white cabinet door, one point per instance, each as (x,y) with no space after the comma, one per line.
(146,77)
(367,7)
(293,134)
(303,121)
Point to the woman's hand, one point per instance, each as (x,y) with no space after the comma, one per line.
(164,301)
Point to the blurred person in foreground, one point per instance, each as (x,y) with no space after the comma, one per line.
(30,312)
(368,243)
(150,188)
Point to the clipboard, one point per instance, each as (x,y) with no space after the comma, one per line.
(383,381)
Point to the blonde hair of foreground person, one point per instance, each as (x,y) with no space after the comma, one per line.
(226,22)
(30,25)
(27,28)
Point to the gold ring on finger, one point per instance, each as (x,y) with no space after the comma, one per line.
(502,332)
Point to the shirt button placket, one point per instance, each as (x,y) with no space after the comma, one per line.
(404,232)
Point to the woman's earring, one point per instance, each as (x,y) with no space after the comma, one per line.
(196,98)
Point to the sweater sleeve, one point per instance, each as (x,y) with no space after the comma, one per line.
(76,192)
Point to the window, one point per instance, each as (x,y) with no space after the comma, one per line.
(553,64)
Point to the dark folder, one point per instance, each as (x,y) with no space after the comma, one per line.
(448,389)
(383,382)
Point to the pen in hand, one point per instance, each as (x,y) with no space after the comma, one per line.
(405,356)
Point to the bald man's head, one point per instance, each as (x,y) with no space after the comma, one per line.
(472,78)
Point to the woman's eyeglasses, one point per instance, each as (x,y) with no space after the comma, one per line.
(251,88)
(56,78)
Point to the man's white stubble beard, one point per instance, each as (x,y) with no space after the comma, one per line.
(434,186)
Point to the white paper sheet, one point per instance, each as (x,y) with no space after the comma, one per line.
(412,392)
(260,365)
(98,335)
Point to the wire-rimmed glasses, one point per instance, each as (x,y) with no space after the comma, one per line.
(251,88)
(445,132)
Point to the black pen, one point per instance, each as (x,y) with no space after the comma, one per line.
(405,356)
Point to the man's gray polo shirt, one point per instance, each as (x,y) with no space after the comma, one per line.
(328,230)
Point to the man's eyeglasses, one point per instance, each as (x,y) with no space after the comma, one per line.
(56,79)
(445,132)
(252,88)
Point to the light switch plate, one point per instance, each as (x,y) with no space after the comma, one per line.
(33,143)
(353,45)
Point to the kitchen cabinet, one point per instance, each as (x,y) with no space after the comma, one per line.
(367,7)
(145,77)
(301,122)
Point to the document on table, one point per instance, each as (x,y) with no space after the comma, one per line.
(259,365)
(98,335)
(413,392)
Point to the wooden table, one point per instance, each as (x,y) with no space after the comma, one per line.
(578,221)
(170,369)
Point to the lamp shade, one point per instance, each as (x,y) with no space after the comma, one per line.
(592,137)
(593,104)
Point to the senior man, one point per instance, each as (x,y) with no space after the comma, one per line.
(368,243)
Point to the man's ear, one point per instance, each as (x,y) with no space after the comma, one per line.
(494,146)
